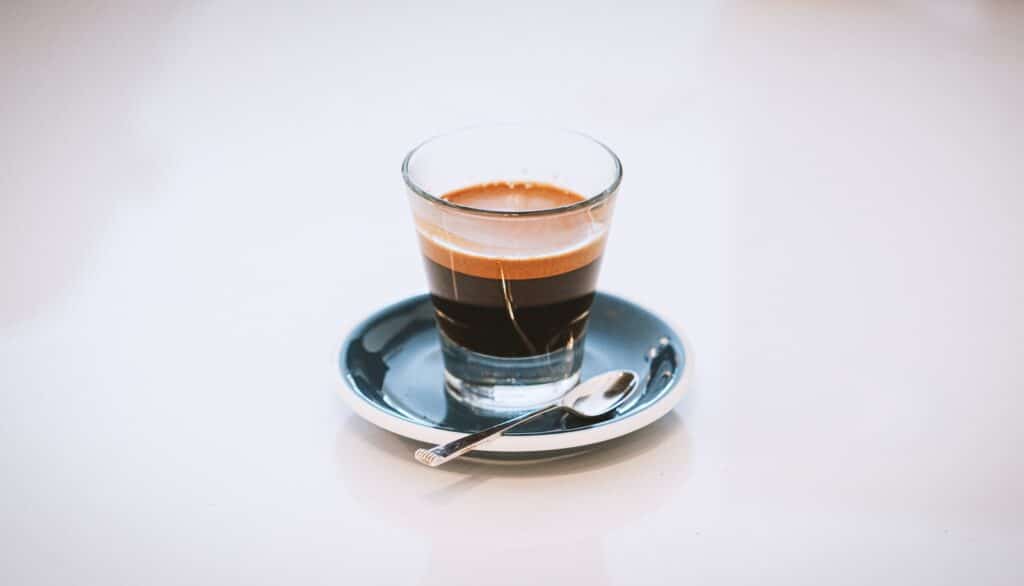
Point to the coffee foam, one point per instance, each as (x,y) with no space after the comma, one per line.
(513,196)
(471,254)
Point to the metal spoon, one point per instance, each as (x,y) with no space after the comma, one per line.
(592,398)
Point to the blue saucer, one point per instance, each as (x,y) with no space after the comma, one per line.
(392,364)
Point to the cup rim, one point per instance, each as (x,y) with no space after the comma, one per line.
(589,201)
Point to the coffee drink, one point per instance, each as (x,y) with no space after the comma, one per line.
(494,301)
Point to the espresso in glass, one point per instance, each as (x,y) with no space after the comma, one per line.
(514,307)
(512,261)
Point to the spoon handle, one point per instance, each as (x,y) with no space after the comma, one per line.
(440,454)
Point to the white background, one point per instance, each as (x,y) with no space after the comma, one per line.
(199,199)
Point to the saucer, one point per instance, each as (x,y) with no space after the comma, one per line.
(392,364)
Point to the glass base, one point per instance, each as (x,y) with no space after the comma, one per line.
(505,385)
(507,398)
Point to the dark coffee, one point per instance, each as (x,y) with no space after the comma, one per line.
(513,306)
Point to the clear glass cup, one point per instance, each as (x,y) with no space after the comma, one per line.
(512,289)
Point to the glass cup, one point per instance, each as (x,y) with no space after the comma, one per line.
(512,223)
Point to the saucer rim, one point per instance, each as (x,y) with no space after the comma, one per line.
(542,442)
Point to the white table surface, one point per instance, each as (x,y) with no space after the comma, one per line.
(198,200)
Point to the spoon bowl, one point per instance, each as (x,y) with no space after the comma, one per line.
(600,394)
